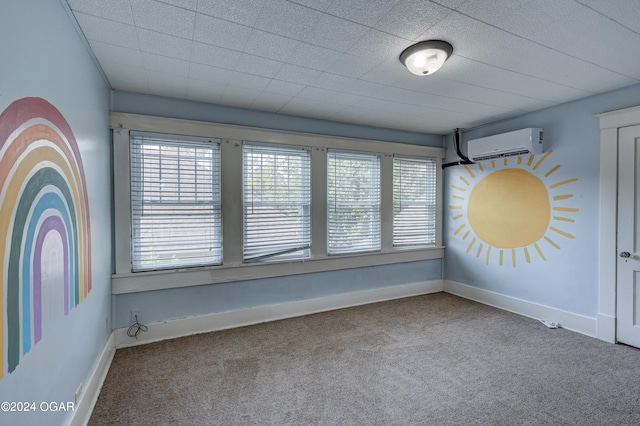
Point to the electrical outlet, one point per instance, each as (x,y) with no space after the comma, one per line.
(134,313)
(78,394)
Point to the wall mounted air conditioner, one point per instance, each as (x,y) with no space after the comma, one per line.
(518,142)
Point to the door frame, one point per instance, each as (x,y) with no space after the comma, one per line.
(610,122)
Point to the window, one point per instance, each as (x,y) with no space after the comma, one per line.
(292,203)
(414,202)
(175,202)
(277,202)
(353,202)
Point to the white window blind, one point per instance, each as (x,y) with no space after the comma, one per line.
(353,202)
(175,201)
(414,202)
(277,202)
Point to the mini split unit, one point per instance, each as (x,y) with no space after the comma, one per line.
(518,142)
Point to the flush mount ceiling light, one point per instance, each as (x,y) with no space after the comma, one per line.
(426,57)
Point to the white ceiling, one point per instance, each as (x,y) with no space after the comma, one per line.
(338,59)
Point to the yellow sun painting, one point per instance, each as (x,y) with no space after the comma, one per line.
(512,207)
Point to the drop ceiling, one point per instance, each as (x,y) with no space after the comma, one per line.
(338,59)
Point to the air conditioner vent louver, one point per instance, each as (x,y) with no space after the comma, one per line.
(502,155)
(518,142)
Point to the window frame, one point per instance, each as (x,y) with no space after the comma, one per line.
(233,267)
(426,205)
(375,201)
(304,203)
(167,140)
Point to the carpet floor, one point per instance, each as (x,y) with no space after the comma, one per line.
(429,360)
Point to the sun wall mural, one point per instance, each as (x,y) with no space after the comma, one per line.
(512,208)
(43,204)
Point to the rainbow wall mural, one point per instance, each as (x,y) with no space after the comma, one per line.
(42,191)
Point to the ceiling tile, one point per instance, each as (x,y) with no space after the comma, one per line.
(568,27)
(257,65)
(348,99)
(215,56)
(316,57)
(124,77)
(296,74)
(327,80)
(392,72)
(219,32)
(210,74)
(165,65)
(298,106)
(338,59)
(287,19)
(117,54)
(623,12)
(452,4)
(376,46)
(472,93)
(164,44)
(243,12)
(335,33)
(321,5)
(163,84)
(107,31)
(351,66)
(484,75)
(239,97)
(115,10)
(316,94)
(411,18)
(271,46)
(485,43)
(185,4)
(364,88)
(366,12)
(163,18)
(248,81)
(204,91)
(283,87)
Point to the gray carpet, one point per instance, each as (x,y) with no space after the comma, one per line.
(428,360)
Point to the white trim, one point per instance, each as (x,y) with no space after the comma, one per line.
(159,280)
(606,328)
(568,320)
(122,200)
(610,122)
(242,317)
(178,126)
(84,408)
(620,118)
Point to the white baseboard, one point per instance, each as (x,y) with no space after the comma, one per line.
(606,328)
(230,319)
(568,320)
(88,399)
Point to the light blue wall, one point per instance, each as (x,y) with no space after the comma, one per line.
(43,56)
(137,103)
(163,305)
(568,279)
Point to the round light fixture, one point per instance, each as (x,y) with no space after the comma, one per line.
(426,57)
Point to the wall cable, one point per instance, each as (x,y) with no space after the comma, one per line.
(463,158)
(136,328)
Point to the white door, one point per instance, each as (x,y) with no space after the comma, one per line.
(628,282)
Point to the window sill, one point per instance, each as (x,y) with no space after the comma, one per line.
(159,280)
